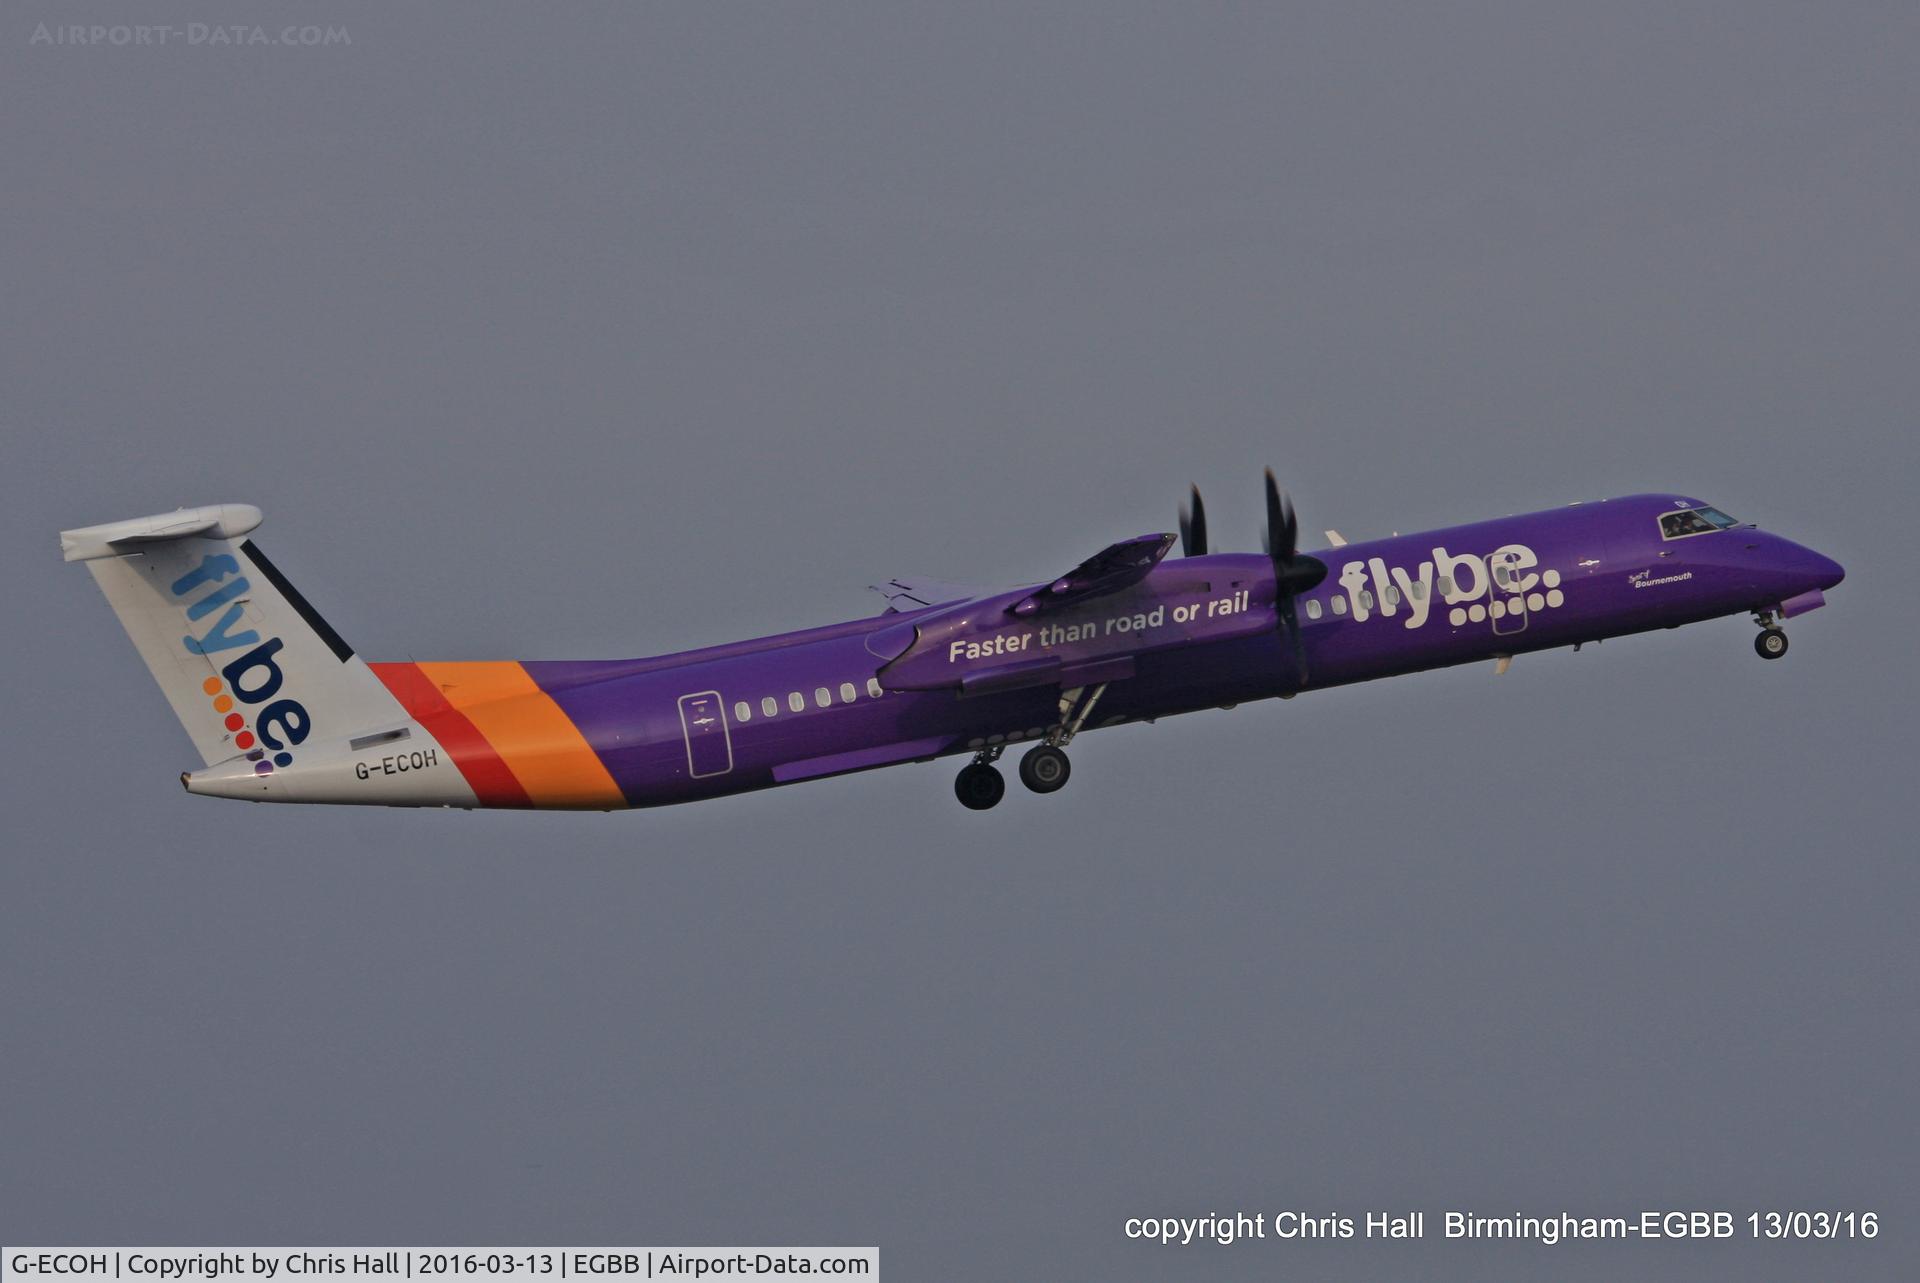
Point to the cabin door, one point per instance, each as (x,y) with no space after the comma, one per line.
(1508,607)
(703,720)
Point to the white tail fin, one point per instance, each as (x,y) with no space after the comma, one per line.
(249,667)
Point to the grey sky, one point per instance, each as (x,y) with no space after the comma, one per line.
(619,329)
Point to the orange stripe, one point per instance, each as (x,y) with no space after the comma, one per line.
(492,783)
(538,742)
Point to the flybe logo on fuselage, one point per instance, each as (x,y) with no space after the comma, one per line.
(250,678)
(1464,582)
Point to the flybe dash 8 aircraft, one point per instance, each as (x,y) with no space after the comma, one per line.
(282,709)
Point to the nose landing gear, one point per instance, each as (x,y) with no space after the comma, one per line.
(1772,642)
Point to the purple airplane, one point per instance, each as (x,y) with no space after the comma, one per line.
(282,710)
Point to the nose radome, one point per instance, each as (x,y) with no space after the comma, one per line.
(1794,568)
(1823,572)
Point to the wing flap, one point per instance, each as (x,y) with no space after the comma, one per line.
(1053,670)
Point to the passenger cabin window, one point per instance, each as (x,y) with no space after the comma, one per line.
(822,696)
(768,707)
(796,701)
(873,687)
(1339,605)
(847,693)
(1694,521)
(741,712)
(1313,609)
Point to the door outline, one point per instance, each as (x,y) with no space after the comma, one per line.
(1504,579)
(719,712)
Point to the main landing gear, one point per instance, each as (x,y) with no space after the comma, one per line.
(1044,768)
(1771,643)
(979,786)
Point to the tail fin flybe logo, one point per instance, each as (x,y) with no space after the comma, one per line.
(1505,576)
(248,681)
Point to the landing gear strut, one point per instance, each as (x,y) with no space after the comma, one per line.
(1771,643)
(979,786)
(1045,767)
(1075,704)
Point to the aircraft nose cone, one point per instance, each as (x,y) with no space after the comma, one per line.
(1811,571)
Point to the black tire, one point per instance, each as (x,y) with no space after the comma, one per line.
(979,787)
(1045,769)
(1770,644)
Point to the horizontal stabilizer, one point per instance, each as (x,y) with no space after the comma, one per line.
(216,521)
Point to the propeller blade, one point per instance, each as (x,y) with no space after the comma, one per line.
(1273,514)
(1283,527)
(1292,572)
(1193,526)
(1291,625)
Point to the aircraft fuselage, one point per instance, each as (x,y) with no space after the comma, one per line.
(971,677)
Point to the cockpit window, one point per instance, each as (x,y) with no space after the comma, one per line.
(1694,521)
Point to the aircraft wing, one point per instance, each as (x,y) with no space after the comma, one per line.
(1114,567)
(1085,628)
(915,593)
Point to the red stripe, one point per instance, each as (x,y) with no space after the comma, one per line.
(486,774)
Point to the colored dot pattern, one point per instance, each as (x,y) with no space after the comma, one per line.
(243,739)
(1552,599)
